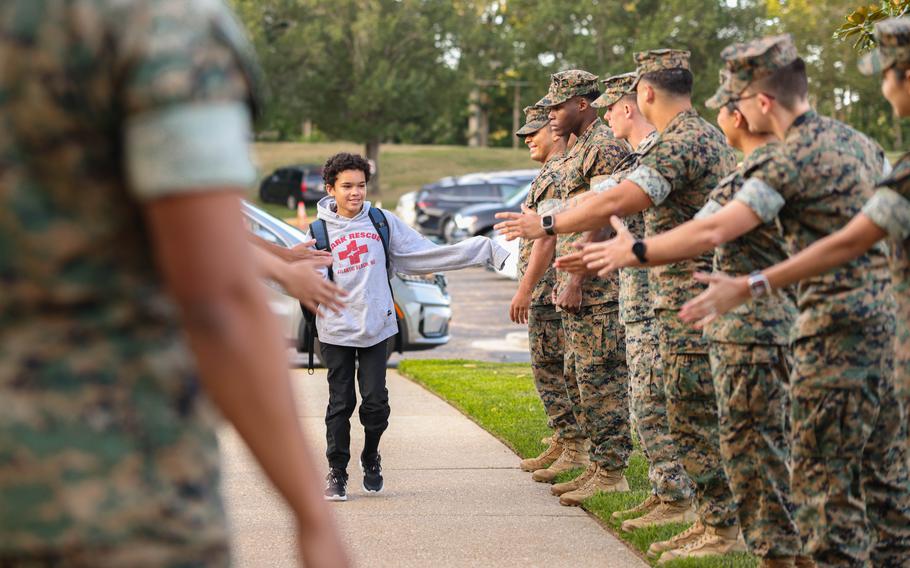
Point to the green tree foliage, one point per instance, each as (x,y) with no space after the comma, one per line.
(404,70)
(861,21)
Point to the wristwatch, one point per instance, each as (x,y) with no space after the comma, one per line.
(759,285)
(639,249)
(547,222)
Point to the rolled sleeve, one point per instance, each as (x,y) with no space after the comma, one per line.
(890,211)
(710,208)
(761,198)
(187,148)
(652,183)
(601,184)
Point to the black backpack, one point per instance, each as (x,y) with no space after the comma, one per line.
(319,231)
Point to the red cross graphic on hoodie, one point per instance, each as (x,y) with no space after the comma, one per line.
(353,252)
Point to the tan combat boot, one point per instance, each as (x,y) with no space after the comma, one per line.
(804,562)
(603,481)
(576,483)
(691,534)
(714,542)
(780,562)
(574,456)
(640,509)
(682,511)
(546,458)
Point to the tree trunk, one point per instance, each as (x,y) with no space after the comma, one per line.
(372,149)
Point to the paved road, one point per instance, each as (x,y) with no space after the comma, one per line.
(480,324)
(454,497)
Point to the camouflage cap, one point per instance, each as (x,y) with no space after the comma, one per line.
(536,117)
(747,62)
(567,84)
(614,88)
(659,60)
(723,95)
(893,39)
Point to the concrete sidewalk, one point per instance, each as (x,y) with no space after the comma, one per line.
(454,496)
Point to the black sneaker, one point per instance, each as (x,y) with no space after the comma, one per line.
(336,483)
(372,474)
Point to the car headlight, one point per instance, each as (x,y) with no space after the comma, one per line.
(465,221)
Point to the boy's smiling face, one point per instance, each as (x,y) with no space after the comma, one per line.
(349,191)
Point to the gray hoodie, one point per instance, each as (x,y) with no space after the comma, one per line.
(359,267)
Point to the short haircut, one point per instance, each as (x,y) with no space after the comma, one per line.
(675,82)
(592,96)
(629,99)
(342,162)
(898,72)
(788,85)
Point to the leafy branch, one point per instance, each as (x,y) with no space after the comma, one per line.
(861,23)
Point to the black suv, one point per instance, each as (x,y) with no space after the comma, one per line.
(291,185)
(438,203)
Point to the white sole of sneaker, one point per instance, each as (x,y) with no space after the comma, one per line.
(335,497)
(370,492)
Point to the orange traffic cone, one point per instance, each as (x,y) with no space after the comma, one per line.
(302,222)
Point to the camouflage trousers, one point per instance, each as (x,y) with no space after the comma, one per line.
(751,385)
(547,342)
(666,474)
(692,414)
(598,383)
(849,450)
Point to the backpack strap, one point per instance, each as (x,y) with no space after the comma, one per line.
(381,224)
(320,232)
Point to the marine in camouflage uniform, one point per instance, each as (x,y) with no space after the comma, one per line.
(544,322)
(668,479)
(848,442)
(108,455)
(750,361)
(889,207)
(596,373)
(689,159)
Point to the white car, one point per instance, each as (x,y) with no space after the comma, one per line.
(422,303)
(510,268)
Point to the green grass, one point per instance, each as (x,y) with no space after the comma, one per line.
(502,399)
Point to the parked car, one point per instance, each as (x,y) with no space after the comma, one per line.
(437,203)
(406,210)
(422,303)
(291,185)
(475,220)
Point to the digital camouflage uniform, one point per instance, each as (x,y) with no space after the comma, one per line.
(689,159)
(108,455)
(596,373)
(750,363)
(889,207)
(544,322)
(848,441)
(666,474)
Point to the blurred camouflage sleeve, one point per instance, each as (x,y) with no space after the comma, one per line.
(660,167)
(891,212)
(768,186)
(187,89)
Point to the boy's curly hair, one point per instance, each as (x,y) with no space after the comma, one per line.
(344,161)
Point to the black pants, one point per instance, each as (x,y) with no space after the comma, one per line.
(374,403)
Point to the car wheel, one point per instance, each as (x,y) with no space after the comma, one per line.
(292,202)
(448,230)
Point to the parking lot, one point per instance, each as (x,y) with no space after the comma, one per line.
(480,327)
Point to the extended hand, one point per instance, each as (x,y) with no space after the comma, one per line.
(573,264)
(302,281)
(723,294)
(305,251)
(609,256)
(524,225)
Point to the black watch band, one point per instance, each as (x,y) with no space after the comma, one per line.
(639,249)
